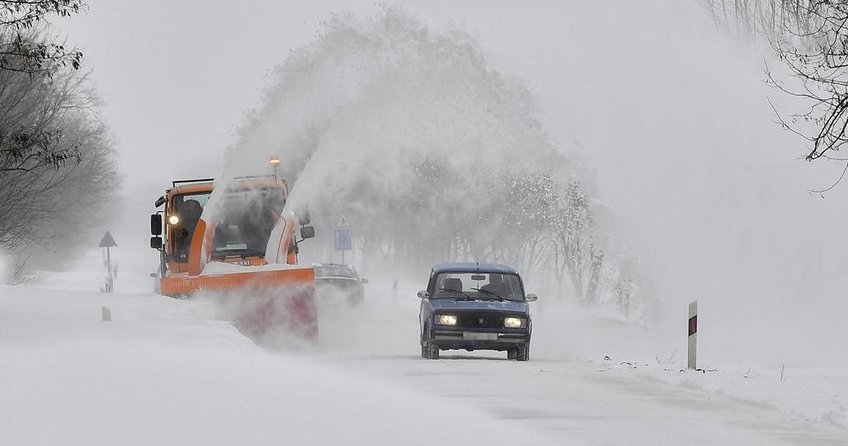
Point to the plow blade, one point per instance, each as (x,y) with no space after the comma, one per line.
(274,307)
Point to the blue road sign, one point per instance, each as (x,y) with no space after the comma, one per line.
(343,239)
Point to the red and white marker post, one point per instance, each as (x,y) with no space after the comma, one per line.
(693,334)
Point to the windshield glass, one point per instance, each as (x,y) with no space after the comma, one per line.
(248,218)
(483,286)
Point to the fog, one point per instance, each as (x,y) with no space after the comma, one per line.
(667,118)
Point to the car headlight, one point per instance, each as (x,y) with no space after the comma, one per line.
(446,319)
(514,322)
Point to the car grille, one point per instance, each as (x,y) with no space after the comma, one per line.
(480,319)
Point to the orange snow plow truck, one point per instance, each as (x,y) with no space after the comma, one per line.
(239,246)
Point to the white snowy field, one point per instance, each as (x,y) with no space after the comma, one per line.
(167,371)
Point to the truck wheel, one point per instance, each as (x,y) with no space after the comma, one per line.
(511,353)
(523,353)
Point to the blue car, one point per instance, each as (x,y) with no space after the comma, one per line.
(475,306)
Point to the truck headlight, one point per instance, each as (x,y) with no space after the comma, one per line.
(514,322)
(446,319)
(173,219)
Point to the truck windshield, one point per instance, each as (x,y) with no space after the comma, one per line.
(245,226)
(482,286)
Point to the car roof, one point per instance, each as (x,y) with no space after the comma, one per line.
(469,267)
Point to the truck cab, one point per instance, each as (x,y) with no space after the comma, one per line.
(237,232)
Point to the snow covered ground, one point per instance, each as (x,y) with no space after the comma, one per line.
(167,371)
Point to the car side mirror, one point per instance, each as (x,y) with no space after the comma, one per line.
(156,242)
(532,298)
(363,281)
(307,232)
(423,294)
(156,224)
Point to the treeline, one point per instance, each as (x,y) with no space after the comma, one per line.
(771,18)
(550,228)
(57,164)
(432,156)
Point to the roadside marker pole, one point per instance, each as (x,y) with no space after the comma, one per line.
(693,334)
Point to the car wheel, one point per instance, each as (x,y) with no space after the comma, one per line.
(434,351)
(523,353)
(423,343)
(428,350)
(511,353)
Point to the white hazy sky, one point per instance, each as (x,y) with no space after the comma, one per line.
(671,115)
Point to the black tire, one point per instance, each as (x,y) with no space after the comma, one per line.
(423,342)
(523,353)
(428,349)
(432,350)
(511,353)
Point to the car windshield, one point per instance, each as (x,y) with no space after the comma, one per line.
(482,286)
(334,271)
(246,224)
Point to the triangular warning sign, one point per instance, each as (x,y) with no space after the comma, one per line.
(107,241)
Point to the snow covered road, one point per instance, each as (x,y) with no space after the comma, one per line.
(168,372)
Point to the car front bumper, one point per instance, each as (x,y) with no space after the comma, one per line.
(457,338)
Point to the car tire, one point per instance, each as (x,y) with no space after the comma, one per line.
(434,352)
(511,353)
(428,350)
(423,343)
(523,353)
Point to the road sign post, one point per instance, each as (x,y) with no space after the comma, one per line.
(344,237)
(108,242)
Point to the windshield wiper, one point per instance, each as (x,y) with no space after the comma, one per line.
(492,293)
(467,297)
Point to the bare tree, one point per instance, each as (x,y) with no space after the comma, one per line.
(811,38)
(819,58)
(57,166)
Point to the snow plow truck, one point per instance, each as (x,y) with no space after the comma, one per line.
(239,245)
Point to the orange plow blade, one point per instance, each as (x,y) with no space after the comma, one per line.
(274,305)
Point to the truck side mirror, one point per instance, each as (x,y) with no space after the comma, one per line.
(156,242)
(532,298)
(156,224)
(307,232)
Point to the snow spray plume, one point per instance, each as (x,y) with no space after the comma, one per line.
(430,154)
